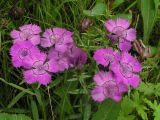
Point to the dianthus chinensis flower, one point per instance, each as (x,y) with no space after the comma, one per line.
(41,70)
(28,32)
(126,70)
(23,54)
(61,58)
(106,87)
(77,57)
(60,38)
(105,56)
(120,32)
(38,67)
(73,57)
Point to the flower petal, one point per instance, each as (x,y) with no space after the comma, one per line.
(36,29)
(117,98)
(128,58)
(44,79)
(101,77)
(46,43)
(122,23)
(134,81)
(35,39)
(14,34)
(124,45)
(131,34)
(29,77)
(61,47)
(110,25)
(122,87)
(97,94)
(104,56)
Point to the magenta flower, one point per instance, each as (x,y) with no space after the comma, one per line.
(105,56)
(23,53)
(120,32)
(74,57)
(58,37)
(60,59)
(106,87)
(126,70)
(27,32)
(40,70)
(77,57)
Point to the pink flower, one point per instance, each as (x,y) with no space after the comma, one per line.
(126,70)
(73,57)
(28,32)
(23,53)
(77,57)
(106,87)
(60,38)
(60,58)
(120,32)
(40,70)
(105,56)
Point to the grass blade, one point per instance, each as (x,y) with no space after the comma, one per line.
(17,87)
(15,99)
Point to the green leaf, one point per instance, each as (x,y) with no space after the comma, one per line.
(64,103)
(108,110)
(98,10)
(128,117)
(141,111)
(154,50)
(127,105)
(157,113)
(15,99)
(87,112)
(139,105)
(125,16)
(126,108)
(149,12)
(17,87)
(155,107)
(116,3)
(34,110)
(41,102)
(15,110)
(146,88)
(149,103)
(6,116)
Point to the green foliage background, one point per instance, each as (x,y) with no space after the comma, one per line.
(68,95)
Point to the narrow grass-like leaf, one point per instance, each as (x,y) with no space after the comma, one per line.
(15,99)
(15,110)
(116,3)
(149,11)
(17,87)
(87,112)
(34,110)
(6,116)
(40,101)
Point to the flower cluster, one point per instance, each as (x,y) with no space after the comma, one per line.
(123,68)
(38,65)
(121,33)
